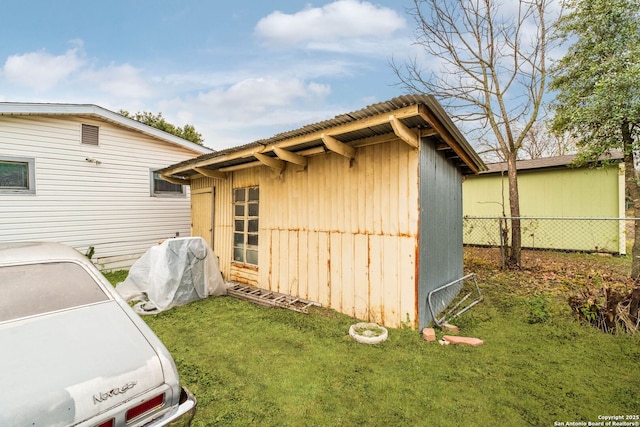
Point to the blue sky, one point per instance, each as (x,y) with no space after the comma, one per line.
(237,70)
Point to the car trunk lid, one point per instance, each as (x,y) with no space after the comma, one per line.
(77,363)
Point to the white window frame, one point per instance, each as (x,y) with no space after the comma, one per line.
(155,193)
(31,171)
(245,241)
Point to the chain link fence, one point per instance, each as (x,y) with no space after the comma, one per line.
(607,235)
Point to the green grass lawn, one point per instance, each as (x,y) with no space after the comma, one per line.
(252,365)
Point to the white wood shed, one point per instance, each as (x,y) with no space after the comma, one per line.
(362,213)
(85,176)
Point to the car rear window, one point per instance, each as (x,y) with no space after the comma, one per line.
(27,290)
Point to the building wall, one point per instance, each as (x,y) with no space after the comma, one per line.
(340,232)
(441,258)
(564,193)
(83,204)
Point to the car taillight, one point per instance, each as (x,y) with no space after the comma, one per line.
(144,407)
(107,423)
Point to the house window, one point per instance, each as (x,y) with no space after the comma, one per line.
(162,188)
(90,134)
(17,175)
(245,231)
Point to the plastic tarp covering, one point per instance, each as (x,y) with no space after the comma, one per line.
(176,272)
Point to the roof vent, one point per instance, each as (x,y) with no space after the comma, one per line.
(90,134)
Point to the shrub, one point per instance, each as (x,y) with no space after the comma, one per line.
(538,309)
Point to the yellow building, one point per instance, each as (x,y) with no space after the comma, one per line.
(563,207)
(362,212)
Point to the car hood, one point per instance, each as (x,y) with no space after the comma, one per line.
(64,367)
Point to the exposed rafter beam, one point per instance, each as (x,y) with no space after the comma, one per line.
(430,118)
(425,133)
(211,174)
(383,118)
(338,147)
(275,164)
(174,180)
(241,166)
(403,132)
(308,152)
(290,157)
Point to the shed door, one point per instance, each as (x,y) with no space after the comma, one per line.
(202,214)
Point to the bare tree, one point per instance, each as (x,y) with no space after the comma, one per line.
(490,70)
(539,142)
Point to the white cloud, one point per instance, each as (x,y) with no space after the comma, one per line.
(250,109)
(120,81)
(41,70)
(73,76)
(333,27)
(258,95)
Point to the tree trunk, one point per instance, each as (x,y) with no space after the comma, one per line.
(634,191)
(514,208)
(633,187)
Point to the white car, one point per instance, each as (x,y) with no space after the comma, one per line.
(73,353)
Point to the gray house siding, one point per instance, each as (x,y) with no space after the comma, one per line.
(440,238)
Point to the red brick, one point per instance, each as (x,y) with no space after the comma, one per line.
(463,340)
(448,327)
(429,334)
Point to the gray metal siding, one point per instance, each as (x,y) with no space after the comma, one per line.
(440,239)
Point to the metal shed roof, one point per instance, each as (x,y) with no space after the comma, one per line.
(96,112)
(548,162)
(416,116)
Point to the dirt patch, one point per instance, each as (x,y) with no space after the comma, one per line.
(597,287)
(548,272)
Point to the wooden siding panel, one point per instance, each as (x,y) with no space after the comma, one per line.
(368,191)
(275,257)
(339,232)
(244,274)
(303,264)
(324,269)
(377,191)
(390,282)
(376,300)
(407,280)
(293,273)
(248,177)
(347,280)
(394,190)
(283,261)
(361,189)
(386,197)
(264,256)
(403,190)
(361,276)
(313,267)
(337,286)
(223,231)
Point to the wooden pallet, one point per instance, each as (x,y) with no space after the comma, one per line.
(269,298)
